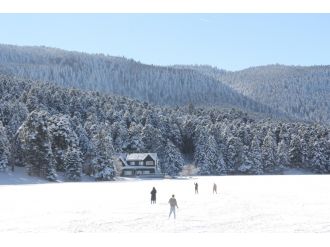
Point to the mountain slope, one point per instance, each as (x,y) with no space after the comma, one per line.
(302,92)
(154,84)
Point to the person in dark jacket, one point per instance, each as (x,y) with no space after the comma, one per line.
(153,195)
(215,188)
(196,188)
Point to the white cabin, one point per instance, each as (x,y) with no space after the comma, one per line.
(136,164)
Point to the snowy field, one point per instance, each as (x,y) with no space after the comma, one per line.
(248,204)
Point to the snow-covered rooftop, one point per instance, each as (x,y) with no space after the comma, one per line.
(140,156)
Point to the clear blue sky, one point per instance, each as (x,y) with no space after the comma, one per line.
(228,41)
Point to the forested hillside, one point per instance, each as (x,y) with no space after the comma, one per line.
(50,129)
(301,92)
(164,86)
(294,92)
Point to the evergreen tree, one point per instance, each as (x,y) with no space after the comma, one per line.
(36,141)
(212,156)
(103,169)
(234,154)
(205,152)
(50,168)
(255,156)
(282,154)
(295,154)
(247,163)
(73,164)
(120,136)
(84,143)
(63,137)
(102,162)
(268,151)
(4,151)
(172,162)
(18,114)
(135,143)
(188,136)
(319,162)
(221,165)
(152,140)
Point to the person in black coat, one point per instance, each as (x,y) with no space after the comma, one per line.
(196,188)
(215,188)
(153,195)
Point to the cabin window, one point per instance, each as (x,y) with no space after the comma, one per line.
(128,173)
(149,163)
(141,163)
(146,172)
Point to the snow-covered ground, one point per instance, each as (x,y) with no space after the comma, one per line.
(250,204)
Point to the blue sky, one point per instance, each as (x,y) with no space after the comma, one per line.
(228,41)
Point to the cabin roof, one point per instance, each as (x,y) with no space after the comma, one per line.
(140,156)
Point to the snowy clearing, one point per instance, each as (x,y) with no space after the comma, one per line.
(251,204)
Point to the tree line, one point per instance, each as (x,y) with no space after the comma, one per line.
(50,129)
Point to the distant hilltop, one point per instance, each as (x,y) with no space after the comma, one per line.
(277,91)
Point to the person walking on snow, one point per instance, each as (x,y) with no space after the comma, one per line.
(215,188)
(153,195)
(196,188)
(173,204)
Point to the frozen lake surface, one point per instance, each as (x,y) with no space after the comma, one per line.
(244,204)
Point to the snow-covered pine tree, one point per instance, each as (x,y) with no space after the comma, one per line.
(282,155)
(319,162)
(73,164)
(234,154)
(202,151)
(103,155)
(255,156)
(247,162)
(310,150)
(188,135)
(127,119)
(221,165)
(171,130)
(223,137)
(206,154)
(18,114)
(305,136)
(120,136)
(152,118)
(63,137)
(212,155)
(268,151)
(327,152)
(244,133)
(103,169)
(135,143)
(36,145)
(85,145)
(295,154)
(152,140)
(4,151)
(172,162)
(50,168)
